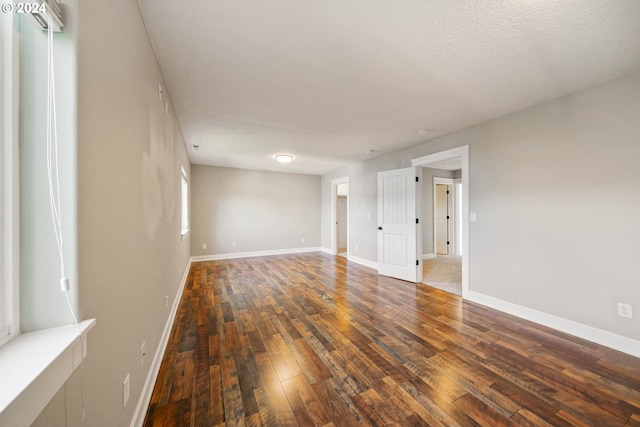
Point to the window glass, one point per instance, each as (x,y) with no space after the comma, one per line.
(5,170)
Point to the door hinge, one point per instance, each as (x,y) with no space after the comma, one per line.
(417,221)
(417,262)
(447,191)
(417,179)
(447,218)
(447,243)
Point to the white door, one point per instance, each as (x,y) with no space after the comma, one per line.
(397,244)
(442,219)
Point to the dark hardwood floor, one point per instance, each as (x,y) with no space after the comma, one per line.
(311,339)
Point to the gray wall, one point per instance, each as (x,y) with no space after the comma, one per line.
(125,176)
(257,210)
(557,192)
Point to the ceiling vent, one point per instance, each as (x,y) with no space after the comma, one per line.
(48,10)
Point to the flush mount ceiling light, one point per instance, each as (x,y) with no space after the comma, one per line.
(284,158)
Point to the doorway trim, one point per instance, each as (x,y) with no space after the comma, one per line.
(461,153)
(334,206)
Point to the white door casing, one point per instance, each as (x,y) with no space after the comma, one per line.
(397,232)
(334,200)
(461,153)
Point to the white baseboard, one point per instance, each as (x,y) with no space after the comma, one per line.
(598,336)
(234,255)
(363,261)
(154,369)
(357,260)
(428,256)
(326,250)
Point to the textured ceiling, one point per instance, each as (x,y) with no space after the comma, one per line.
(329,80)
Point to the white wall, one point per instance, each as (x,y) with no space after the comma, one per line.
(557,192)
(127,171)
(258,210)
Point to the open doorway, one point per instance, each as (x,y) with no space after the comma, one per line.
(444,212)
(340,216)
(445,270)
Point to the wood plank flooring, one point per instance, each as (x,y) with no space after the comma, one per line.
(313,340)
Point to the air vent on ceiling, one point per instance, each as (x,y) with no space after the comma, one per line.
(48,10)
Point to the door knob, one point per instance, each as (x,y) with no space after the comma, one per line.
(379,228)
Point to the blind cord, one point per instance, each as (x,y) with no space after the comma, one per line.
(53,175)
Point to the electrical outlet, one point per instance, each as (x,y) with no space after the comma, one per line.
(233,244)
(160,91)
(125,391)
(204,246)
(303,240)
(625,310)
(357,248)
(143,353)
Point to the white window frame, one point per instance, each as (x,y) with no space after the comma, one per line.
(9,184)
(184,201)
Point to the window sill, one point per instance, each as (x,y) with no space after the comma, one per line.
(34,366)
